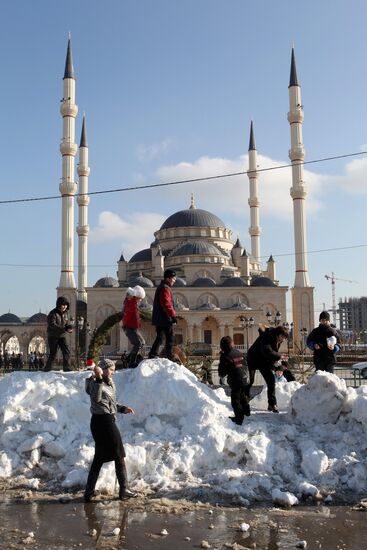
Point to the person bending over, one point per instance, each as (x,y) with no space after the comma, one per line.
(263,355)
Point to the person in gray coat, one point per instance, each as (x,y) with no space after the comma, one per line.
(108,443)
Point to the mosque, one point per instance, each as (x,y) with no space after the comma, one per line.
(221,288)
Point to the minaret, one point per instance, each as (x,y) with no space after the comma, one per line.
(302,299)
(83,227)
(254,203)
(68,149)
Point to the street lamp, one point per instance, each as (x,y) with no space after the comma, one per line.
(278,317)
(247,323)
(303,333)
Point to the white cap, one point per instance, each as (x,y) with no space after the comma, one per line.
(139,292)
(130,291)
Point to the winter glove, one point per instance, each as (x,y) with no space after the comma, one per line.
(174,320)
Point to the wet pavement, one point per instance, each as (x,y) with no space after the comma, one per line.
(113,524)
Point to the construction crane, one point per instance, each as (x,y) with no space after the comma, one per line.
(332,278)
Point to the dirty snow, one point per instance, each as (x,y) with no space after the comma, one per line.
(181,441)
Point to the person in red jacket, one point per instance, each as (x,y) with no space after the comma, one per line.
(131,323)
(164,315)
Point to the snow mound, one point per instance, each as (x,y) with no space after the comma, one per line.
(283,391)
(323,399)
(181,441)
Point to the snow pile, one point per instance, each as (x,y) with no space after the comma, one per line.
(180,441)
(283,390)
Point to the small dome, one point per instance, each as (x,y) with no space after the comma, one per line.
(141,281)
(262,281)
(204,282)
(193,217)
(202,248)
(234,281)
(37,318)
(106,282)
(9,319)
(180,282)
(142,256)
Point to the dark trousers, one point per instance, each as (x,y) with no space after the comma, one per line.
(163,333)
(269,378)
(239,402)
(53,344)
(120,469)
(137,342)
(326,368)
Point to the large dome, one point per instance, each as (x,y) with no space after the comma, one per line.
(196,247)
(193,217)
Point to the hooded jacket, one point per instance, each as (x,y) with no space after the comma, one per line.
(324,356)
(57,321)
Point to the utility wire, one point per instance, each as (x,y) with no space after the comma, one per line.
(266,256)
(179,182)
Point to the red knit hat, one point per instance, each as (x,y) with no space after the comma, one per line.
(90,364)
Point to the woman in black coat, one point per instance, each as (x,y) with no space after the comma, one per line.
(262,355)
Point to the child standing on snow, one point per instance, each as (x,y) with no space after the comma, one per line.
(231,364)
(131,323)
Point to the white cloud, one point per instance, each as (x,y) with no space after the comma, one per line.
(134,232)
(231,194)
(154,150)
(355,180)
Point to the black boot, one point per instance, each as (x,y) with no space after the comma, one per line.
(121,475)
(90,493)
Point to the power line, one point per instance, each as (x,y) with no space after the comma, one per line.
(179,182)
(267,255)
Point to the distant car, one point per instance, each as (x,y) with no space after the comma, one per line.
(360,368)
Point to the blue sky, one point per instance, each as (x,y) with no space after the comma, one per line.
(169,89)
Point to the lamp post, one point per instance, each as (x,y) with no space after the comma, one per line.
(247,323)
(79,326)
(303,333)
(289,327)
(277,319)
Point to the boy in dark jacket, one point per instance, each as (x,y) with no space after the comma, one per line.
(325,342)
(164,315)
(231,364)
(262,355)
(57,326)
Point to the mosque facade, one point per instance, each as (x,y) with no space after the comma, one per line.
(221,288)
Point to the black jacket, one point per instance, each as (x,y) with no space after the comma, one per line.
(324,356)
(57,323)
(264,351)
(232,365)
